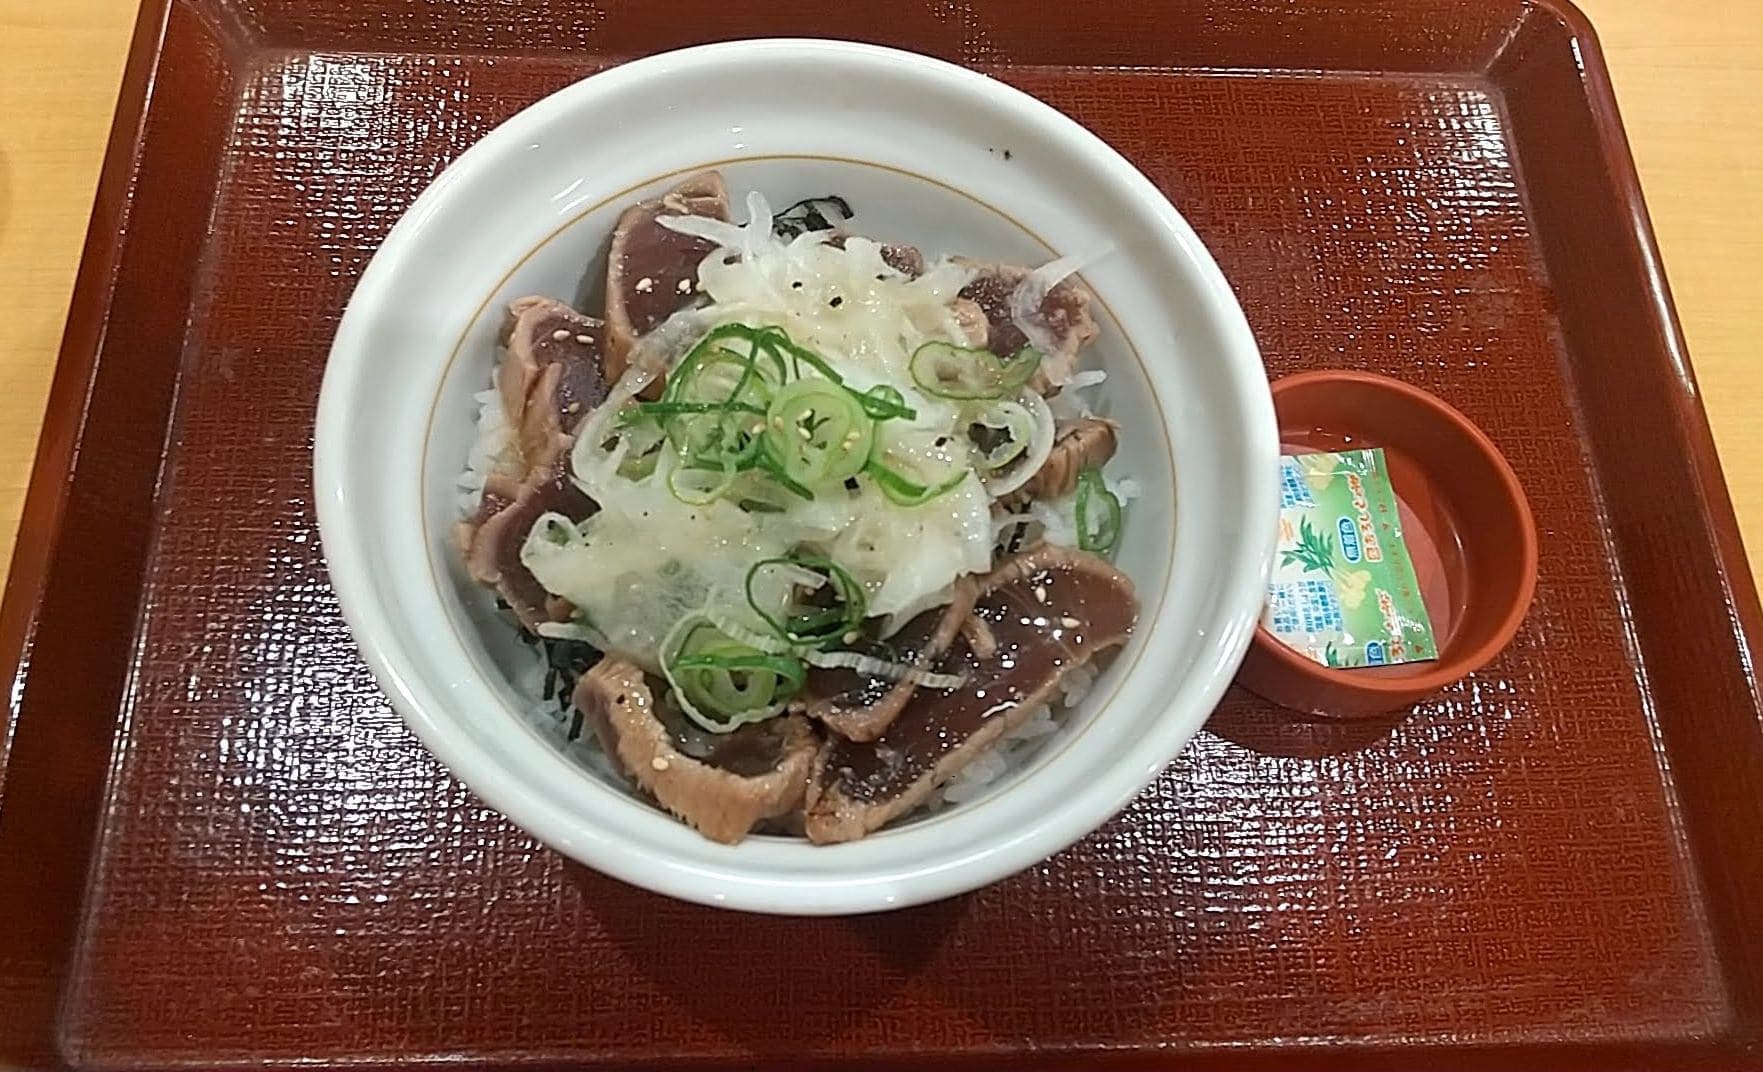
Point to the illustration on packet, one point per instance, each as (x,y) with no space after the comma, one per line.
(1344,592)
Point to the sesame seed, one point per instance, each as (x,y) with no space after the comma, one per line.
(645,285)
(1040,593)
(851,637)
(585,340)
(659,763)
(806,434)
(836,301)
(560,334)
(574,406)
(797,285)
(1069,622)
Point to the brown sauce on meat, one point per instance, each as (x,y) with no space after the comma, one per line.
(850,689)
(655,261)
(1037,639)
(750,751)
(1061,312)
(582,384)
(552,492)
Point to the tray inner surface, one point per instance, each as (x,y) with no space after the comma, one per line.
(1544,855)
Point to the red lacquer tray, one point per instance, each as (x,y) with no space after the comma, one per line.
(219,847)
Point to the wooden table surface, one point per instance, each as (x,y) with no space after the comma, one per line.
(1686,72)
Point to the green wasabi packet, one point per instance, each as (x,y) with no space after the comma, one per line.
(1344,591)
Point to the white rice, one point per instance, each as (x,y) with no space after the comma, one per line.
(492,449)
(1077,398)
(1055,520)
(553,725)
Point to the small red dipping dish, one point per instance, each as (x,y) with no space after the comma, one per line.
(1465,520)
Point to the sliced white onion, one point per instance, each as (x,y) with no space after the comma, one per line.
(757,233)
(539,542)
(1030,294)
(739,631)
(867,664)
(725,234)
(591,466)
(580,631)
(1011,417)
(1004,522)
(940,597)
(1073,401)
(1040,446)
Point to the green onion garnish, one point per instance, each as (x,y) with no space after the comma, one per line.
(1098,513)
(722,684)
(885,402)
(746,398)
(966,373)
(906,491)
(817,433)
(814,626)
(696,486)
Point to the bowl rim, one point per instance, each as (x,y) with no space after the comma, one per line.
(1295,665)
(1238,600)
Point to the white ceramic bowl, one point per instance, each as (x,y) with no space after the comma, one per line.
(927,153)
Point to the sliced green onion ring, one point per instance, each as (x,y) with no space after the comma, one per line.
(885,402)
(1098,513)
(678,409)
(817,433)
(904,490)
(711,351)
(718,439)
(700,486)
(775,470)
(967,373)
(811,626)
(722,684)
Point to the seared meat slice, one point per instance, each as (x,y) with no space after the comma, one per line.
(861,706)
(1045,612)
(549,379)
(652,272)
(551,374)
(491,539)
(720,784)
(906,260)
(1077,445)
(1064,314)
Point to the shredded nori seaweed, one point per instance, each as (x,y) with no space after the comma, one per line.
(565,663)
(811,214)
